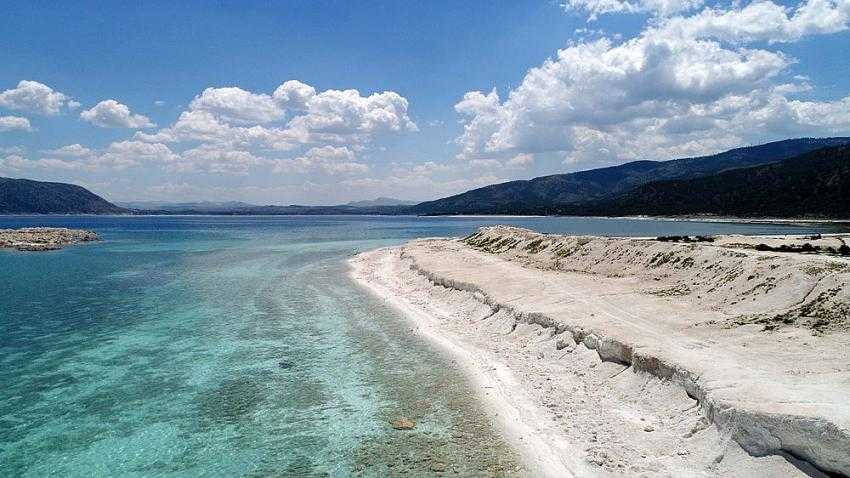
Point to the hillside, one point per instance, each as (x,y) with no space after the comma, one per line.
(816,184)
(24,196)
(545,194)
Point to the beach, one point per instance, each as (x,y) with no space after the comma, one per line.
(640,357)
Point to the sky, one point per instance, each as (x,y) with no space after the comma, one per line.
(324,102)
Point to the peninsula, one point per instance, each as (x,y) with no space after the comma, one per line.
(43,238)
(675,356)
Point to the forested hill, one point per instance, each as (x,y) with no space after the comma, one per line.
(24,196)
(549,194)
(815,184)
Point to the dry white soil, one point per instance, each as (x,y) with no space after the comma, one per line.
(635,357)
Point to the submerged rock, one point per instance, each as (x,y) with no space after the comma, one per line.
(403,424)
(43,238)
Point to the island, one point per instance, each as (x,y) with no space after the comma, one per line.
(674,356)
(43,238)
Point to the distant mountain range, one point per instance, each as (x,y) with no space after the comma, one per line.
(805,177)
(566,193)
(23,196)
(184,206)
(382,201)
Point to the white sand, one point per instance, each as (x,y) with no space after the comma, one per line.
(545,452)
(513,326)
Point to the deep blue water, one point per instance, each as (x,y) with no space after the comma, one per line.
(236,346)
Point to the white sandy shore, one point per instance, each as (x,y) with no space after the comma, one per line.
(590,373)
(523,422)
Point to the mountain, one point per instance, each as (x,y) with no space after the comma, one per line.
(548,194)
(381,201)
(272,210)
(186,206)
(815,184)
(24,196)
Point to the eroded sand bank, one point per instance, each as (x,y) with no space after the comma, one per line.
(638,357)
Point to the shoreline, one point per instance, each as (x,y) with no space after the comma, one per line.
(615,378)
(517,415)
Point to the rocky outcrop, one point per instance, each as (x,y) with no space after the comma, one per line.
(43,238)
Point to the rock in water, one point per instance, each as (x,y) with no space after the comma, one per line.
(403,424)
(43,238)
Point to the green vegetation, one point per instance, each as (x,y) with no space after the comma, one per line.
(806,248)
(685,239)
(536,246)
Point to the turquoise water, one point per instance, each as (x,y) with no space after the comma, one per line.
(236,346)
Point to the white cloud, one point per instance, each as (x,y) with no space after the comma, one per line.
(131,153)
(239,118)
(212,159)
(112,114)
(339,113)
(13,162)
(764,21)
(683,86)
(293,95)
(657,7)
(11,123)
(19,150)
(330,159)
(235,105)
(118,156)
(72,150)
(521,161)
(33,97)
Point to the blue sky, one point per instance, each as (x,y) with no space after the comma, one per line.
(178,102)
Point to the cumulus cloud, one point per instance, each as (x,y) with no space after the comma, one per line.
(11,123)
(213,159)
(75,150)
(33,97)
(237,105)
(520,161)
(293,95)
(764,21)
(240,118)
(135,152)
(117,156)
(687,85)
(330,159)
(112,114)
(13,162)
(594,8)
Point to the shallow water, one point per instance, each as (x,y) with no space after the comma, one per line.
(237,346)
